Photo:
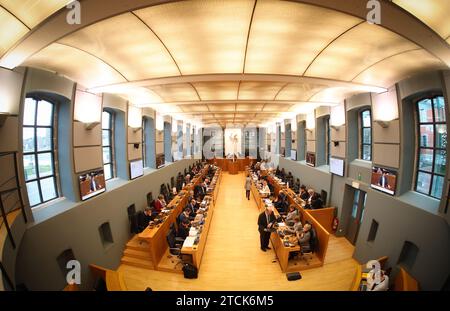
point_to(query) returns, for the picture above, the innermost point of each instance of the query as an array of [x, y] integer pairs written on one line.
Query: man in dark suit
[[265, 222], [143, 218]]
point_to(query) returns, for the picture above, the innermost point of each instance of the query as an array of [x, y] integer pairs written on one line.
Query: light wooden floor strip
[[234, 261]]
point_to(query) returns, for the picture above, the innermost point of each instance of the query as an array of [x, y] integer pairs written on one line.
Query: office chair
[[175, 245], [172, 182], [311, 248], [172, 228], [149, 199]]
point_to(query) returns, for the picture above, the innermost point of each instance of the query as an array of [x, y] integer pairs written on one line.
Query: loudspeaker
[[136, 146], [336, 143], [293, 276]]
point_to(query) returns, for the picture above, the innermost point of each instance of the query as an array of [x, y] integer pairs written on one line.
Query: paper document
[[281, 224], [189, 242]]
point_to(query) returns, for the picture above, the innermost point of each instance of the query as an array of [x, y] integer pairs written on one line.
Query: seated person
[[309, 200], [281, 204], [192, 205], [296, 227], [160, 203], [263, 165], [183, 229], [304, 236], [296, 186], [303, 193], [143, 218], [265, 190], [316, 201], [292, 213], [185, 215], [378, 282]]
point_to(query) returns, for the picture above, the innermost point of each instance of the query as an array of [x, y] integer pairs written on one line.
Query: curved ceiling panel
[[11, 30], [299, 91], [32, 12], [221, 90], [175, 92], [333, 95], [222, 107], [356, 50], [285, 37], [434, 13], [399, 67], [137, 56], [68, 61], [202, 36], [259, 90]]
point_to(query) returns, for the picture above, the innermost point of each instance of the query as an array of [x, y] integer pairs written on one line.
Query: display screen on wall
[[136, 169], [384, 180], [311, 158], [91, 184], [160, 162], [294, 154], [337, 166]]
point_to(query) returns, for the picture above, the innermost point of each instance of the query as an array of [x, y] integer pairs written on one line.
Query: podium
[[233, 167]]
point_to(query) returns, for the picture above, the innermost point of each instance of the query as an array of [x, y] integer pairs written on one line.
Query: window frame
[[36, 153], [143, 142], [361, 134], [434, 123], [111, 143]]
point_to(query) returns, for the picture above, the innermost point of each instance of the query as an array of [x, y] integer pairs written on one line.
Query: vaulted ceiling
[[228, 61]]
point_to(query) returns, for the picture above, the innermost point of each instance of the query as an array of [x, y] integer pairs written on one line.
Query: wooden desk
[[156, 236], [233, 167], [114, 281], [282, 252], [405, 282], [197, 250]]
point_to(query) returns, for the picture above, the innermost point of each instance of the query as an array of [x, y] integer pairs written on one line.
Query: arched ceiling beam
[[239, 77], [55, 27]]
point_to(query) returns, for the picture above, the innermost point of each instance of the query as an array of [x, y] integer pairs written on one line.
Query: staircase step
[[141, 263], [137, 253], [137, 244]]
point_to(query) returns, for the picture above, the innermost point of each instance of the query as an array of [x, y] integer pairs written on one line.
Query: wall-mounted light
[[383, 124], [159, 124], [88, 109], [310, 122], [3, 117], [337, 117], [385, 107], [135, 118]]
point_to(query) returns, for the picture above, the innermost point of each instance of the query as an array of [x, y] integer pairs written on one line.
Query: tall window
[[107, 142], [144, 155], [432, 153], [366, 135], [38, 151], [328, 139]]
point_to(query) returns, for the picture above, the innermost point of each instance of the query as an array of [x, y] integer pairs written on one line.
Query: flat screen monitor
[[384, 180], [337, 166], [136, 169], [294, 154], [91, 184], [311, 158], [160, 161]]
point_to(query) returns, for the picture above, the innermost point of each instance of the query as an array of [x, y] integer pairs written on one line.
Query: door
[[356, 215]]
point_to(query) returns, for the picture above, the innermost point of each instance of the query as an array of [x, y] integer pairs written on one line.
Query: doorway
[[355, 217]]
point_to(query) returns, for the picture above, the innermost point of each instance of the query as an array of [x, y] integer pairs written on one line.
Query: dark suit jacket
[[143, 220], [262, 221]]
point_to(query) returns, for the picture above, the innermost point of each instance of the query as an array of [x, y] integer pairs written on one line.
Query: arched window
[[432, 154], [38, 151], [366, 135], [107, 142]]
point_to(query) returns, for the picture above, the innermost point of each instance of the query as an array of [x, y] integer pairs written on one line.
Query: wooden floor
[[234, 261]]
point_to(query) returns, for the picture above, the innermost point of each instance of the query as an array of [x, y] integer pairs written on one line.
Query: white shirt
[[382, 286], [263, 166], [265, 189]]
